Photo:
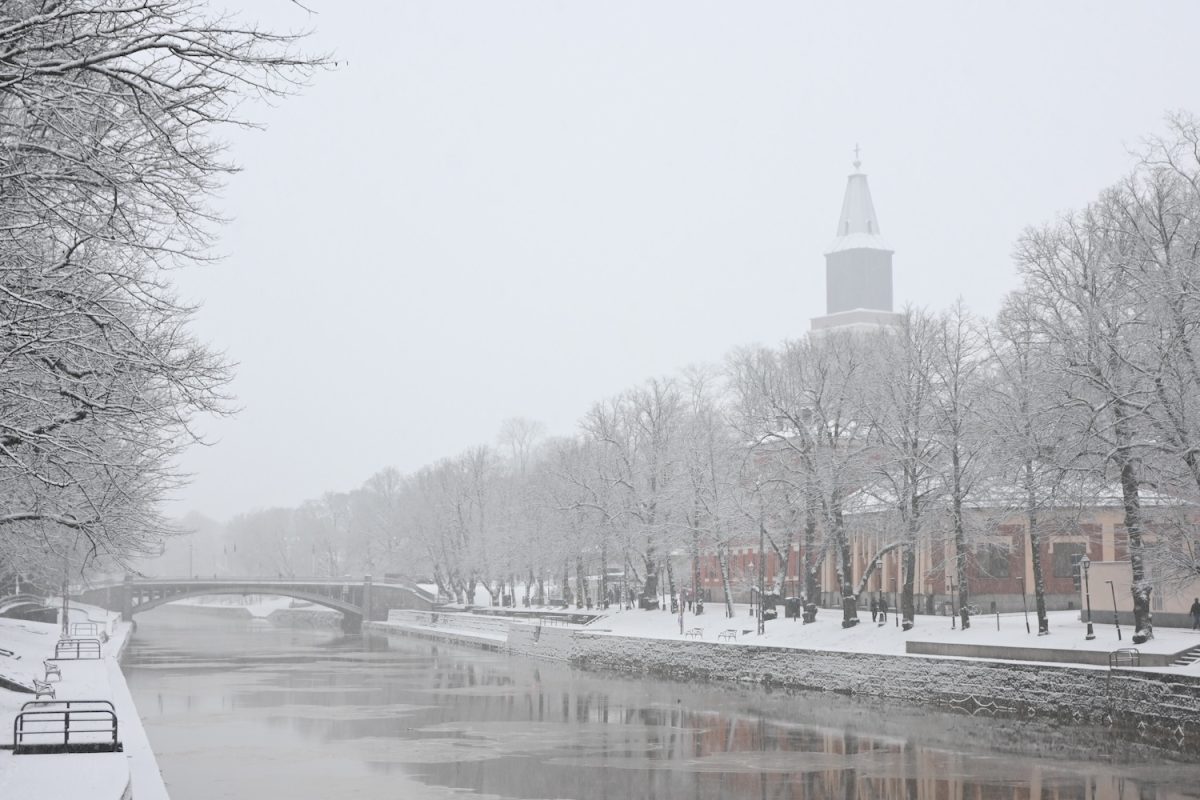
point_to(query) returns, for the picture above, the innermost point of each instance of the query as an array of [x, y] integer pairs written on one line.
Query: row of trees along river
[[1083, 388], [1083, 385]]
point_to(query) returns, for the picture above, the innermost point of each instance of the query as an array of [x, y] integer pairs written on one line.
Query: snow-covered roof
[[858, 227], [878, 497]]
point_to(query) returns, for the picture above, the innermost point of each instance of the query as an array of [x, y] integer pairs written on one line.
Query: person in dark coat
[[1196, 614], [883, 609], [874, 609]]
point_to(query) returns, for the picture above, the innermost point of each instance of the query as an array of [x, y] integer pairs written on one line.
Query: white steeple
[[857, 225], [858, 265]]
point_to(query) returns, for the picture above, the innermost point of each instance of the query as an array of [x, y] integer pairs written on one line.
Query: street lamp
[[1116, 619], [1084, 563]]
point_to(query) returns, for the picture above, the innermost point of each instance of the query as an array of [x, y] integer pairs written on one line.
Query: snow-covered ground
[[1067, 632], [97, 776]]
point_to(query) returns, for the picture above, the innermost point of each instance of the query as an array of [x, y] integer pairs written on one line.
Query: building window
[[993, 560], [1066, 556]]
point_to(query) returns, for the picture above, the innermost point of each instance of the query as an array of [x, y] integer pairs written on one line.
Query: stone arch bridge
[[357, 600]]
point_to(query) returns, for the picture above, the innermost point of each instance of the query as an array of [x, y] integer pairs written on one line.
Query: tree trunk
[[845, 576], [603, 598], [908, 558], [723, 562], [812, 587], [670, 581], [960, 545], [650, 585], [1143, 619], [1039, 581], [581, 592]]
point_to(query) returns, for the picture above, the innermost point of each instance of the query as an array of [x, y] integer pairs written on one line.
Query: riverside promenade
[[1048, 676], [132, 774]]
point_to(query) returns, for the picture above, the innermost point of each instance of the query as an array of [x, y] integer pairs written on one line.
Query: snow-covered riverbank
[[868, 660], [132, 773]]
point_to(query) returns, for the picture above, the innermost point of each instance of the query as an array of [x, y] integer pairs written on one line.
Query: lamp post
[[1025, 604], [1084, 563], [1116, 619]]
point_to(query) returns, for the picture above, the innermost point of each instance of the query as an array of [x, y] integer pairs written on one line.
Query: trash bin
[[770, 609], [792, 607], [810, 612]]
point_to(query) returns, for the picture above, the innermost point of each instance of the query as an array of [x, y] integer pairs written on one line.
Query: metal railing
[[81, 629], [76, 649], [66, 726], [1125, 657]]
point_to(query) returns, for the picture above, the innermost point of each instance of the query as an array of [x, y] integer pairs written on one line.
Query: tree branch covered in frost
[[108, 155]]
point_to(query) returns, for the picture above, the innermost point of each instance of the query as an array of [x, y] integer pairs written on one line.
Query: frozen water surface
[[237, 710]]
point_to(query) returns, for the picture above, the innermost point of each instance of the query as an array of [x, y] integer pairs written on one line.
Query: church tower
[[858, 265]]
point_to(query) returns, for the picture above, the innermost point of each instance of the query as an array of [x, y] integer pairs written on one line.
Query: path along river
[[242, 709]]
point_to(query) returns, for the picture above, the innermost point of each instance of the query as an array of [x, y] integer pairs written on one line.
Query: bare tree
[[898, 407], [107, 118], [1078, 289]]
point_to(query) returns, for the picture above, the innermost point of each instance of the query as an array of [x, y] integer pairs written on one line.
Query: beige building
[[1108, 584]]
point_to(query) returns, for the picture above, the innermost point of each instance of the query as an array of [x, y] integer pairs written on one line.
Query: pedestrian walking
[[874, 609], [883, 609], [1196, 614]]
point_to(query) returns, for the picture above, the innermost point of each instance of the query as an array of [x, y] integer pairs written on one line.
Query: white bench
[[694, 633], [729, 633]]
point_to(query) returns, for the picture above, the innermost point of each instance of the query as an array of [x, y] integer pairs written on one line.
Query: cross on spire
[[857, 162]]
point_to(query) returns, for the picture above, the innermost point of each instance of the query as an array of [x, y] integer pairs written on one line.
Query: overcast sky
[[496, 209]]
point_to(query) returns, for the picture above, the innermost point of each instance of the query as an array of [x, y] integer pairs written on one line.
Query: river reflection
[[246, 710]]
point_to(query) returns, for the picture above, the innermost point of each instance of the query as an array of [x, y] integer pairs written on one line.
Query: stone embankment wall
[[1157, 706]]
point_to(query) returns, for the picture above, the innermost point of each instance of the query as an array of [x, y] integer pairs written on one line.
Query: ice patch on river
[[339, 713]]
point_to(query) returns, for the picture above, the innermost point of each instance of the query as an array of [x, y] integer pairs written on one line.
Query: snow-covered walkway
[[94, 776]]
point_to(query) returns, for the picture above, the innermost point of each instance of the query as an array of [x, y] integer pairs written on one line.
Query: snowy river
[[241, 709]]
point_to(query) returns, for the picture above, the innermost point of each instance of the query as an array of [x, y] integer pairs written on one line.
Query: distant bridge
[[15, 604], [357, 600]]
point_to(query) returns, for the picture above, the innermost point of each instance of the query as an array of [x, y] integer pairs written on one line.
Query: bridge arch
[[352, 615], [357, 601]]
